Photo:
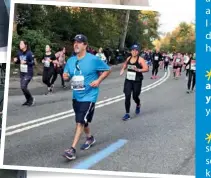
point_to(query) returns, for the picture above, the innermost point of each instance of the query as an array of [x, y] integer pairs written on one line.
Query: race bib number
[[47, 64], [131, 75], [23, 68], [156, 58], [78, 83], [178, 60], [193, 65]]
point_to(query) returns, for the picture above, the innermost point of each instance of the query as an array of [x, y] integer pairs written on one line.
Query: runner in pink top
[[59, 66], [177, 65]]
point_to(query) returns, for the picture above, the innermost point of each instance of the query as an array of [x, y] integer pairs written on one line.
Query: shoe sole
[[89, 145], [126, 119], [67, 157]]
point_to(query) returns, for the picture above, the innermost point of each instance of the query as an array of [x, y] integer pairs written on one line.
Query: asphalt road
[[159, 140]]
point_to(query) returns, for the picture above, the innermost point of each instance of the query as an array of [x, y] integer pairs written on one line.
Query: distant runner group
[[86, 72]]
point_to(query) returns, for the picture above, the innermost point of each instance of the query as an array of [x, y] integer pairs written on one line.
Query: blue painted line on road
[[96, 158]]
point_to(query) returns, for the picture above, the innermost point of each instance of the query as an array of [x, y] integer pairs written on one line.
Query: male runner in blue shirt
[[83, 69]]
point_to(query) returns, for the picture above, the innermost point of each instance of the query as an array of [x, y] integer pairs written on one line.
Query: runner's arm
[[54, 59], [57, 55], [188, 63], [103, 68], [144, 65], [104, 75], [29, 59], [17, 59], [66, 73], [124, 66]]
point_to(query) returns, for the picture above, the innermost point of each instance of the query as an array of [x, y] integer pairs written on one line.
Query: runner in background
[[148, 58], [101, 55], [182, 55], [186, 67], [166, 60], [161, 63], [59, 66], [177, 65], [83, 70], [156, 58], [49, 60], [191, 74], [135, 66], [26, 61]]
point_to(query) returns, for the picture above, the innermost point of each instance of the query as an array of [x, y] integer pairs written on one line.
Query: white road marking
[[70, 113]]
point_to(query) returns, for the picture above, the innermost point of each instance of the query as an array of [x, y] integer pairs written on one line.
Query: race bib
[[78, 83], [156, 58], [131, 75], [23, 68], [47, 64], [177, 60], [166, 59], [193, 65]]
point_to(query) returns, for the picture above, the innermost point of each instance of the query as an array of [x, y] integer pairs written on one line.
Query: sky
[[173, 12]]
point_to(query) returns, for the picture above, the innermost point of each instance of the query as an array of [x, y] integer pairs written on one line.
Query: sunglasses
[[76, 65]]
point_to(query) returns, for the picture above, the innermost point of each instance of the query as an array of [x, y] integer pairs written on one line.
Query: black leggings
[[191, 79], [24, 82], [47, 76], [155, 68], [129, 88], [59, 71], [166, 64], [187, 71]]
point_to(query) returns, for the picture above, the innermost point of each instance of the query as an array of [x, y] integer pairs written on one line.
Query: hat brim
[[78, 40], [137, 49]]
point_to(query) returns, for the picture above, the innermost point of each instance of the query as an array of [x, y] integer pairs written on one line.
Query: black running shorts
[[84, 111]]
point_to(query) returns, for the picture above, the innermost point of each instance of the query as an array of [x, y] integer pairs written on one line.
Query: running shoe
[[49, 91], [188, 91], [126, 117], [70, 153], [88, 143], [32, 102], [52, 88], [25, 104], [138, 108]]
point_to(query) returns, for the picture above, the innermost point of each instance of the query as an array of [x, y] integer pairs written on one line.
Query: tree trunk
[[124, 32], [14, 19]]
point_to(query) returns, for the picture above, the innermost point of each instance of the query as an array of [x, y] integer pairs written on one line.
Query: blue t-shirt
[[28, 57], [89, 67]]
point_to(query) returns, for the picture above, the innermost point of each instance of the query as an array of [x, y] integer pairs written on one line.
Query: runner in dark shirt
[[26, 61]]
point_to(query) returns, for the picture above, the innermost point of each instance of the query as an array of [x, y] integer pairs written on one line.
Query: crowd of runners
[[86, 69]]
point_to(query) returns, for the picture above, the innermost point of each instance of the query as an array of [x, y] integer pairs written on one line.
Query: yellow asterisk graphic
[[208, 75], [208, 138]]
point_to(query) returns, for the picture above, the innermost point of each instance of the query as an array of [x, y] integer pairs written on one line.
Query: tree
[[57, 26], [124, 32], [181, 39]]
